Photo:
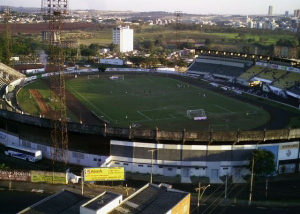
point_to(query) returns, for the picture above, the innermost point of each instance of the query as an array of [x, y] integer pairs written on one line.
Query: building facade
[[123, 36], [270, 13]]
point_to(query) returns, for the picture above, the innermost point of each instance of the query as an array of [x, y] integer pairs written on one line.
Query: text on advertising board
[[104, 174]]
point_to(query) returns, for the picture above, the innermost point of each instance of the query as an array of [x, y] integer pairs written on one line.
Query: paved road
[[231, 209], [15, 201]]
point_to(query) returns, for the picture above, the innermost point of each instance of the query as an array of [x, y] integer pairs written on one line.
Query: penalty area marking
[[224, 108], [143, 115], [91, 83]]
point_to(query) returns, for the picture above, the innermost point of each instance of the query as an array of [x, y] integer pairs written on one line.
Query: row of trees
[[152, 62]]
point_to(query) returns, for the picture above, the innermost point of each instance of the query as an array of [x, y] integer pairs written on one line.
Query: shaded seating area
[[287, 81], [216, 69], [252, 72]]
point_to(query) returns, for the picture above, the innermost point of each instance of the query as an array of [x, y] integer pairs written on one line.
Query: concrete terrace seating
[[271, 74], [3, 82], [287, 81], [250, 73]]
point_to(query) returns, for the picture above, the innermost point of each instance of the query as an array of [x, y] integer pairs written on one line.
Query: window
[[196, 168], [117, 163], [140, 165], [160, 167], [149, 165], [99, 159], [225, 168], [78, 155], [178, 167], [170, 169], [125, 164], [95, 159]]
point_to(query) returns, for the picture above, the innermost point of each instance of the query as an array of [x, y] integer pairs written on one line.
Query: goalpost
[[198, 114], [93, 76], [117, 77]]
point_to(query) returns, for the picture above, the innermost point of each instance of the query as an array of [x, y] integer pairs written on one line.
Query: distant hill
[[23, 9]]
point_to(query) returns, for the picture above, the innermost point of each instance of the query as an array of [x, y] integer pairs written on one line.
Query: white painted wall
[[107, 208]]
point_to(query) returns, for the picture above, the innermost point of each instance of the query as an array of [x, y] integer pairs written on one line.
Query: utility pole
[[199, 194], [266, 188], [82, 173], [226, 185], [151, 175], [251, 182]]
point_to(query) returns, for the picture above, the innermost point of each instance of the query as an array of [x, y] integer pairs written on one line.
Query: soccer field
[[148, 101]]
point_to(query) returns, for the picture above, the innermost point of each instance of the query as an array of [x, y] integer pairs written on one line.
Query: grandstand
[[271, 74], [287, 81], [252, 72], [295, 89], [8, 74], [216, 69]]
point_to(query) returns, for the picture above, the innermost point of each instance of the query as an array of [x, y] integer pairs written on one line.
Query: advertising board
[[48, 177], [104, 174], [15, 175], [288, 151]]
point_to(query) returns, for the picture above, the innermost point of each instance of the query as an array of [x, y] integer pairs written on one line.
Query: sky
[[186, 6]]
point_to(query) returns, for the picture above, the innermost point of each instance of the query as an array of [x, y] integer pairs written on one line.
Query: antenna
[[178, 15], [53, 11], [8, 45]]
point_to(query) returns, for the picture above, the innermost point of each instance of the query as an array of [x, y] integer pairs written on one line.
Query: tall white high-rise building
[[123, 36], [270, 11]]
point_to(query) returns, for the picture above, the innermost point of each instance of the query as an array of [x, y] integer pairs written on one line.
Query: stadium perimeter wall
[[158, 135], [218, 149]]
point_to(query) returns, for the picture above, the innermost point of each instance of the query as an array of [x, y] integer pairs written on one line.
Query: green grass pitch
[[129, 102]]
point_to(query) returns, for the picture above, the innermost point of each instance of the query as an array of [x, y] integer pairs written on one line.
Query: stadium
[[205, 122]]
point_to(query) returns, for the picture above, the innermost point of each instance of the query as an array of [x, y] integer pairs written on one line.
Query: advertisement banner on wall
[[288, 151], [3, 139], [48, 177], [15, 175], [104, 174]]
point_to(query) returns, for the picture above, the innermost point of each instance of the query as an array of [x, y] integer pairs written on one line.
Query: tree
[[264, 162], [246, 49], [3, 166], [102, 68], [113, 47], [208, 42]]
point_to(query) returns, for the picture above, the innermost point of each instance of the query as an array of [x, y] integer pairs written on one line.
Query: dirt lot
[[44, 107]]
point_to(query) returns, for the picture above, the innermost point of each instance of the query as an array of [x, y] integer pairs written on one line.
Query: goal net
[[117, 77], [93, 76], [198, 114]]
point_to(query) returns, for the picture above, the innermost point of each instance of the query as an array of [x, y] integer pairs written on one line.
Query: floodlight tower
[[8, 45], [54, 11], [178, 15]]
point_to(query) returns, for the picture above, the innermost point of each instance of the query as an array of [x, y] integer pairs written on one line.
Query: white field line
[[91, 104], [143, 115], [136, 121], [224, 109], [235, 100], [91, 83], [172, 115], [150, 80]]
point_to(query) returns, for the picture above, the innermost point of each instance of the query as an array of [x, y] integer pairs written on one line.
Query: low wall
[[157, 135]]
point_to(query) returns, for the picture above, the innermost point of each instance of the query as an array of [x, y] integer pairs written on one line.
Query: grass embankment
[[28, 103]]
